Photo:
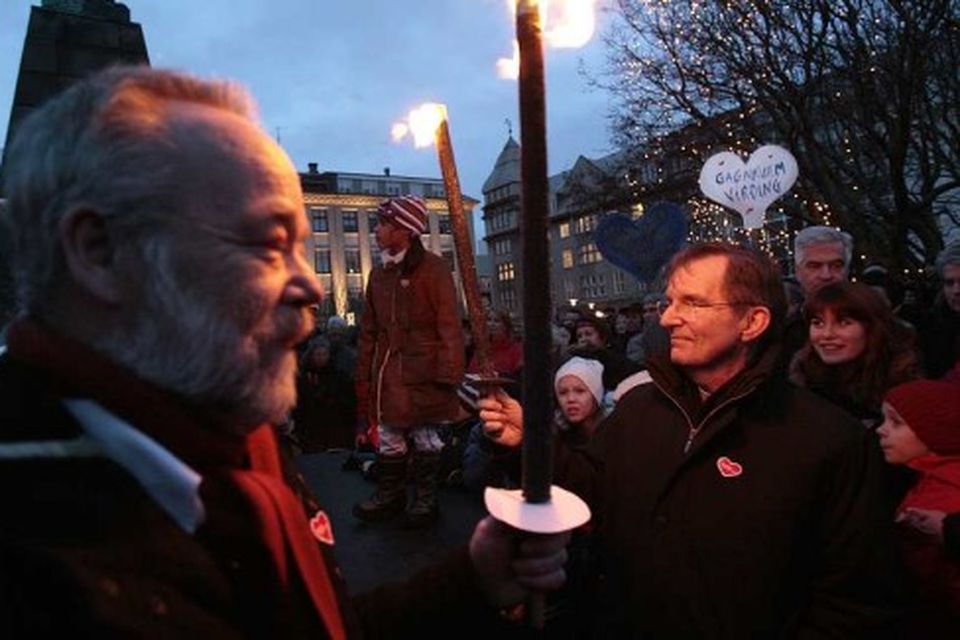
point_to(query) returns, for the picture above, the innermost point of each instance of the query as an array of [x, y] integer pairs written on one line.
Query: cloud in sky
[[331, 77]]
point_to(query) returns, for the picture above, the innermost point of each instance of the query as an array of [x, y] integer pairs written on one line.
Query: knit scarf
[[251, 463]]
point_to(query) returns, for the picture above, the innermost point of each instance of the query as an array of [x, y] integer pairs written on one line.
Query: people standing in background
[[324, 417], [593, 335], [856, 349], [821, 255], [938, 333], [652, 340]]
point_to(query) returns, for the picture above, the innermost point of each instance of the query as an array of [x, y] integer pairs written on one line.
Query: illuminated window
[[351, 259], [588, 253], [567, 259], [564, 229], [505, 272]]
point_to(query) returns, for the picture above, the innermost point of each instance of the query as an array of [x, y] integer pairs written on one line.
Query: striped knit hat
[[932, 410], [409, 212]]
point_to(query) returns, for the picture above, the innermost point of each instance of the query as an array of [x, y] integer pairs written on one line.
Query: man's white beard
[[180, 341]]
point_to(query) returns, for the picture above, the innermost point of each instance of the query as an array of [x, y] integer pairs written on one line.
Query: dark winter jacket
[[754, 514], [326, 408], [938, 339], [411, 353], [85, 552]]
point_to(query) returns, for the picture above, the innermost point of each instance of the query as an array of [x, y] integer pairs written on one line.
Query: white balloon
[[752, 187]]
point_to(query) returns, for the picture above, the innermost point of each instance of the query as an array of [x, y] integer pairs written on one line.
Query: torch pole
[[537, 388], [464, 246]]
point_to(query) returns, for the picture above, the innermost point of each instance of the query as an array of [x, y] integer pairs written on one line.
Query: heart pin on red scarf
[[321, 528], [728, 468]]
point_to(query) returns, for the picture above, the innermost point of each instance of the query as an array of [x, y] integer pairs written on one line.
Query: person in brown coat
[[410, 360]]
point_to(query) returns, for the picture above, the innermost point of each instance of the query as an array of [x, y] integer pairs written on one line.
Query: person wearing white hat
[[578, 385]]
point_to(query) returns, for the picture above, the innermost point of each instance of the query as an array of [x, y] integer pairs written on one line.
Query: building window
[[567, 258], [508, 299], [351, 259], [593, 286], [319, 220], [505, 272], [564, 229], [585, 224], [501, 220], [619, 282], [372, 221], [444, 224], [350, 221], [449, 258], [588, 253], [321, 260], [502, 247]]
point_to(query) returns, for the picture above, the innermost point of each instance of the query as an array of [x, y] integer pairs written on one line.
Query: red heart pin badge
[[728, 468], [321, 528]]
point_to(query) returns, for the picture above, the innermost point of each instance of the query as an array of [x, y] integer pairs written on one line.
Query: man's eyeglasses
[[691, 308]]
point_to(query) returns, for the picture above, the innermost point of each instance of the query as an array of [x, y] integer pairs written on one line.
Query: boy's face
[[898, 441]]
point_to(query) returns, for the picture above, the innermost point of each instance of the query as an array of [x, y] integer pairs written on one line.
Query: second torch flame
[[427, 124]]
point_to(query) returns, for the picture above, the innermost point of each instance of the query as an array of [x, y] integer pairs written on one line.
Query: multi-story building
[[578, 273], [580, 197], [342, 211]]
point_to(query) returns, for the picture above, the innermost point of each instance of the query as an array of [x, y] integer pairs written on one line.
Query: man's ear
[[756, 321], [90, 253]]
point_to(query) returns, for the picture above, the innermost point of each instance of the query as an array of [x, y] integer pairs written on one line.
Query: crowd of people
[[764, 455], [784, 463]]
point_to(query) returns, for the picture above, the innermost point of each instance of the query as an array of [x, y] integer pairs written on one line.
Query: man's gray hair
[[104, 145], [949, 255], [822, 235]]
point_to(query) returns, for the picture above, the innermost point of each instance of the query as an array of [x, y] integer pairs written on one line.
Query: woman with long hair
[[856, 349]]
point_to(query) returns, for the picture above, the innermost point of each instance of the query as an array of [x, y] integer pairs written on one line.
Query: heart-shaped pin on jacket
[[321, 528], [752, 187], [728, 468]]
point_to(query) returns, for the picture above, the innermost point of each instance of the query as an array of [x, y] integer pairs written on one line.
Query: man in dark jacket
[[159, 238], [410, 361], [730, 504], [938, 335]]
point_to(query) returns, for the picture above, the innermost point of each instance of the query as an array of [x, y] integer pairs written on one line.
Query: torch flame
[[422, 123], [566, 24]]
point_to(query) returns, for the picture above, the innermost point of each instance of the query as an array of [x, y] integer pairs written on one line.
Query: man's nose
[[304, 287]]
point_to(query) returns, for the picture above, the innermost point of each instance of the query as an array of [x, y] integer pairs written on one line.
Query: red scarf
[[252, 463], [938, 486]]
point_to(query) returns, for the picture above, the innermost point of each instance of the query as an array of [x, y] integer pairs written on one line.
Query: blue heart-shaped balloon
[[643, 245]]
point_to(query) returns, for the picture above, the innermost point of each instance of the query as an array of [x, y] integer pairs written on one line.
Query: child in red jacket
[[921, 429]]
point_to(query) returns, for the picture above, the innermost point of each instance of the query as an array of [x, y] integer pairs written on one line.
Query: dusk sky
[[331, 77]]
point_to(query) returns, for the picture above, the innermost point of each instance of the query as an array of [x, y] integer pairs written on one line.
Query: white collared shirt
[[172, 484]]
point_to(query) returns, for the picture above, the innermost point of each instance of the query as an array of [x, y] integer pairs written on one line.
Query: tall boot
[[390, 498], [424, 512]]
